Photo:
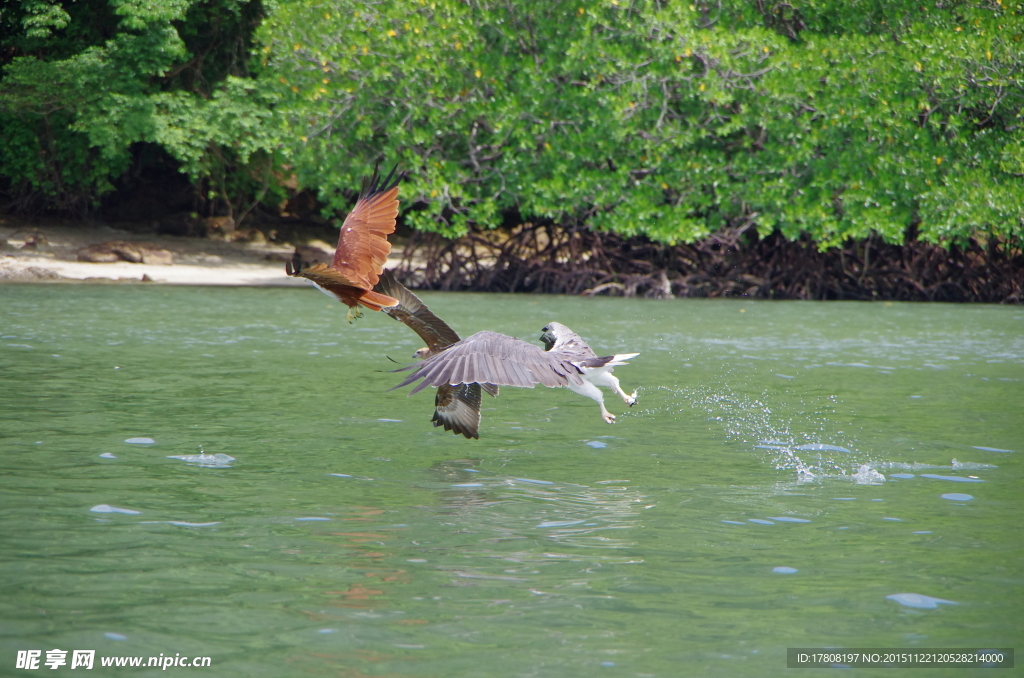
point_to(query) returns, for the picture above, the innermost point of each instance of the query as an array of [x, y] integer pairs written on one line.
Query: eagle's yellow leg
[[353, 313]]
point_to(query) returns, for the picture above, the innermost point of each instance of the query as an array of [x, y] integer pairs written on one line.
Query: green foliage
[[42, 17], [90, 79], [674, 120], [838, 119]]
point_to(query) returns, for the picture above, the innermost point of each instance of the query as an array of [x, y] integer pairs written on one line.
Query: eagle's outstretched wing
[[456, 408], [363, 245], [362, 250], [489, 357], [414, 313]]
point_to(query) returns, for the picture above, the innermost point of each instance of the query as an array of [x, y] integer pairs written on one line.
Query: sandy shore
[[196, 261]]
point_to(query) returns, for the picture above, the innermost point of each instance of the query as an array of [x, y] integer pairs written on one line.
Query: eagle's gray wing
[[492, 358], [457, 408]]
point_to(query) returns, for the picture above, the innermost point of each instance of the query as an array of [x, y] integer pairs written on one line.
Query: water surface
[[222, 472]]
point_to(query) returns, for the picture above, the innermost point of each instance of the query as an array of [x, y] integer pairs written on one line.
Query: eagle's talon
[[353, 313], [631, 400], [609, 417]]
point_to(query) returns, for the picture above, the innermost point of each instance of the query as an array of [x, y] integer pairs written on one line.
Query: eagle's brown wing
[[363, 245], [414, 313], [457, 408], [492, 358]]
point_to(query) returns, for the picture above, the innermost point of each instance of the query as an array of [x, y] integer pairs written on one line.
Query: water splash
[[866, 475], [205, 460], [968, 465], [789, 445], [811, 447]]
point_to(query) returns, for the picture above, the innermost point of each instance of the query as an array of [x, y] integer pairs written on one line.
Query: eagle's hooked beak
[[548, 338]]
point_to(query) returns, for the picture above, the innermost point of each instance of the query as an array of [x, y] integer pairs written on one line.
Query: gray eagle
[[492, 358]]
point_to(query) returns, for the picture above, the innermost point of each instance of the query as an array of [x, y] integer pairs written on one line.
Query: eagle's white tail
[[621, 358]]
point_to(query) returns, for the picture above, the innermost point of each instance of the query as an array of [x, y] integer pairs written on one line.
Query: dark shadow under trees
[[730, 263]]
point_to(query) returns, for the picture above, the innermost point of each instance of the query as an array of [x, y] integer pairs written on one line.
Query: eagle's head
[[554, 334]]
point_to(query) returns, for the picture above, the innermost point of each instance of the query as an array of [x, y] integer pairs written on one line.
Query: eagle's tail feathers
[[375, 300]]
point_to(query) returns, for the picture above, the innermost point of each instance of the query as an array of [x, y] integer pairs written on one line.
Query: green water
[[556, 545]]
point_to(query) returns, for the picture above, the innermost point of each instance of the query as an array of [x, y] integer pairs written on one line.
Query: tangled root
[[729, 263]]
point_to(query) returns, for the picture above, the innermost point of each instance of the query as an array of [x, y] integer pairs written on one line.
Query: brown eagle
[[363, 249], [457, 407]]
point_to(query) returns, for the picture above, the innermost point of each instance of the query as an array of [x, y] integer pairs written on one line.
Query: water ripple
[[919, 600]]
